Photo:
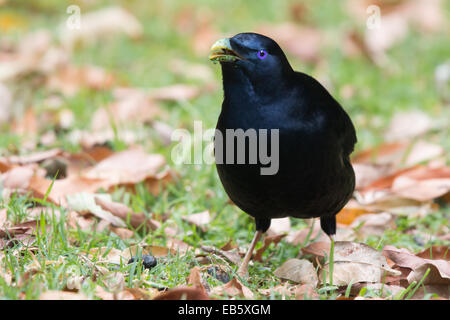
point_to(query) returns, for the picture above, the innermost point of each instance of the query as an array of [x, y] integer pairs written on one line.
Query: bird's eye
[[262, 54]]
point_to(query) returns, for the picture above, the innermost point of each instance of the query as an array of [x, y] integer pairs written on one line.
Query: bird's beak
[[221, 51]]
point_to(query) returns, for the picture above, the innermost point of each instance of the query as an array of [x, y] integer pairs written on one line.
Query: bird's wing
[[338, 120]]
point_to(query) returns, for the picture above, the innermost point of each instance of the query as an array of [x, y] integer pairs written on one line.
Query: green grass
[[379, 93]]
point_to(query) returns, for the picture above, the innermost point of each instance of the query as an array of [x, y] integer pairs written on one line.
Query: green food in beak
[[221, 51]]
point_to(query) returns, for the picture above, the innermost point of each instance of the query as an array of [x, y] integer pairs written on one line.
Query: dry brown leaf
[[366, 173], [131, 106], [231, 256], [319, 249], [423, 151], [279, 226], [299, 271], [385, 290], [3, 216], [70, 79], [266, 243], [201, 219], [442, 291], [6, 103], [385, 154], [230, 245], [190, 70], [439, 269], [400, 126], [156, 251], [373, 224], [122, 211], [76, 221], [423, 183], [195, 279], [306, 291], [233, 288], [183, 293], [178, 246], [35, 157], [62, 295], [419, 183], [97, 26], [123, 233], [18, 177], [435, 253], [63, 187], [26, 228], [348, 214], [286, 290], [176, 92], [86, 202], [356, 262], [127, 167], [301, 41], [299, 237]]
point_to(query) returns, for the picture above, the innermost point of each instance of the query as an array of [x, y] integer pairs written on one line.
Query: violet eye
[[262, 54]]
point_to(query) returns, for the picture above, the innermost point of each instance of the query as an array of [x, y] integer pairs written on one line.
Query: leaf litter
[[407, 174]]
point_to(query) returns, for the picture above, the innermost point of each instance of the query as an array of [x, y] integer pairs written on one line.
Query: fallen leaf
[[86, 202], [97, 25], [70, 79], [230, 245], [123, 212], [356, 262], [189, 70], [299, 271], [131, 106], [195, 279], [373, 224], [62, 187], [201, 219], [435, 253], [348, 214], [178, 246], [62, 295], [367, 173], [423, 184], [301, 41], [319, 249], [400, 126], [306, 291], [176, 92], [6, 103], [279, 226], [231, 256], [183, 293], [384, 290], [126, 167], [286, 290], [233, 288], [156, 251], [384, 154], [18, 177], [266, 243], [439, 269], [123, 233]]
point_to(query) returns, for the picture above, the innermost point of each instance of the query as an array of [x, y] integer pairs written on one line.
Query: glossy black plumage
[[316, 137]]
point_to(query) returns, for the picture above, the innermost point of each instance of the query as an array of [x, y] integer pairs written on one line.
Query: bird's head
[[257, 56]]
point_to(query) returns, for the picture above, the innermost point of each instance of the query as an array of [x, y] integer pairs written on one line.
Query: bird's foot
[[243, 271]]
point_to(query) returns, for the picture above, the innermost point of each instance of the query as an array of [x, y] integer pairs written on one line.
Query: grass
[[60, 252]]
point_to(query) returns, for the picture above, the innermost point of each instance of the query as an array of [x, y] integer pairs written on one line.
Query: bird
[[314, 137]]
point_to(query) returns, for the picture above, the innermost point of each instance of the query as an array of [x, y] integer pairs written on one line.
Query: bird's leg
[[243, 268], [331, 259]]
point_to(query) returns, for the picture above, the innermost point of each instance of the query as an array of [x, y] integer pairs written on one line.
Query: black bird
[[313, 176]]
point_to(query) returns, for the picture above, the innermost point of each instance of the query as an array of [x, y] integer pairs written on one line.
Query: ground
[[52, 250]]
